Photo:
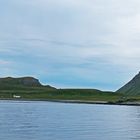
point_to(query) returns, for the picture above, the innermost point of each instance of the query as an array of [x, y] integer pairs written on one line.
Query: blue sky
[[71, 43]]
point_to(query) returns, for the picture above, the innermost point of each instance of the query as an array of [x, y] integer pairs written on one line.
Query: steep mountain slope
[[132, 87]]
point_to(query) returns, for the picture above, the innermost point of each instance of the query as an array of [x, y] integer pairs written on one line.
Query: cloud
[[84, 43]]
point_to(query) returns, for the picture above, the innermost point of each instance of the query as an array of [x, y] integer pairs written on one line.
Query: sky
[[71, 43]]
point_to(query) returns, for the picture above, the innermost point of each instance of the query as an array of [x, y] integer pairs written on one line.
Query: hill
[[30, 88], [132, 87], [24, 81], [10, 83]]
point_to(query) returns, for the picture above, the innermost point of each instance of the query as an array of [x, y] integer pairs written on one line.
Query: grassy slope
[[48, 93], [43, 93], [132, 88]]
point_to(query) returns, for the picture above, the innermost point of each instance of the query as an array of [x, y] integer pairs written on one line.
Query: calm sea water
[[59, 121]]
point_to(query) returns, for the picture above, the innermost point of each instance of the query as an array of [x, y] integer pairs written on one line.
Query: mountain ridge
[[132, 87], [24, 81]]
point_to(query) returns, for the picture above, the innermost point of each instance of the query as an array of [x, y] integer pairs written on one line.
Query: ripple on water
[[59, 121]]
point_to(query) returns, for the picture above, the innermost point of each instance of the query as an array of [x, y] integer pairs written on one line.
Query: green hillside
[[30, 88], [132, 88]]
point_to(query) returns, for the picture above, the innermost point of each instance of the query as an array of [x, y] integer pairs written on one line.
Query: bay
[[38, 120]]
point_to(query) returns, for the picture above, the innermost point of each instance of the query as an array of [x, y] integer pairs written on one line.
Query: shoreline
[[77, 102]]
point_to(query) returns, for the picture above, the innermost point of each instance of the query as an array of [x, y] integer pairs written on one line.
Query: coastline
[[77, 101]]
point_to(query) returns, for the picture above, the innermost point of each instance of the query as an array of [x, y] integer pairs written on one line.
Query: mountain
[[132, 87], [24, 81]]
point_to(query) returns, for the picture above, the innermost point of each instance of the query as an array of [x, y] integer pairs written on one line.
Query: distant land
[[29, 88]]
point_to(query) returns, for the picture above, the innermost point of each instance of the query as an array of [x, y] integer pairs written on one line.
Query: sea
[[42, 120]]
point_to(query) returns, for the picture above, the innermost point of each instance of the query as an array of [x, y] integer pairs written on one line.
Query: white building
[[16, 96]]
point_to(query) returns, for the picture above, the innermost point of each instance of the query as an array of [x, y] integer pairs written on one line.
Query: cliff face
[[132, 87], [23, 81]]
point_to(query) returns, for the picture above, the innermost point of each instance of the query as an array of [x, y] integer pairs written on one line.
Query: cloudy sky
[[71, 43]]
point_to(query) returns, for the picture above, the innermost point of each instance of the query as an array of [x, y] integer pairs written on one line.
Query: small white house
[[16, 96]]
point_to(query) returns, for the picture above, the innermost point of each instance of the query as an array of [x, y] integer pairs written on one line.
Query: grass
[[60, 94], [27, 89], [46, 93]]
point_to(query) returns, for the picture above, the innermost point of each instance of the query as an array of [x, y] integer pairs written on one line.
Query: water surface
[[23, 120]]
